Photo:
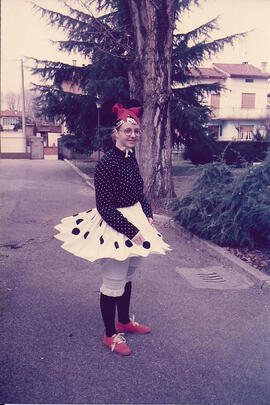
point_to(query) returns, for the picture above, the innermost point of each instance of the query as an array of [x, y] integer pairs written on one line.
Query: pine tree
[[132, 51]]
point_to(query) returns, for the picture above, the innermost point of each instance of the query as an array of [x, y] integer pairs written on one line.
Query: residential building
[[13, 143], [50, 134], [240, 111], [8, 119], [72, 86]]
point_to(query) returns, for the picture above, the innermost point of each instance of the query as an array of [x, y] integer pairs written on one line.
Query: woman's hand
[[150, 220], [138, 239]]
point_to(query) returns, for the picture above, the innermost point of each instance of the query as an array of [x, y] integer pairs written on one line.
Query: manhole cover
[[215, 277]]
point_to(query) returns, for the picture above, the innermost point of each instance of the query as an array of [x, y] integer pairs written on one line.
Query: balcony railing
[[239, 113]]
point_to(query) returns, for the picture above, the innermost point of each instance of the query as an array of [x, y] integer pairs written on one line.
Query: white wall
[[231, 112], [239, 86], [52, 138], [228, 131], [12, 142], [231, 99], [207, 99]]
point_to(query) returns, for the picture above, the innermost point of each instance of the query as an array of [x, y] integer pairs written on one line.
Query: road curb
[[261, 280], [84, 176]]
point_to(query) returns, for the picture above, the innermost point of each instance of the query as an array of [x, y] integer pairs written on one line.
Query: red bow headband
[[126, 115]]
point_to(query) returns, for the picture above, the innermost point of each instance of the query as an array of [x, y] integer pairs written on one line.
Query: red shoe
[[117, 343], [132, 327]]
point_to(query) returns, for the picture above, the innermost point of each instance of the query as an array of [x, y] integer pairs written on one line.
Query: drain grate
[[215, 277], [211, 277]]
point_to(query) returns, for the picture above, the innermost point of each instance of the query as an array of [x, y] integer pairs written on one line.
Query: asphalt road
[[207, 346]]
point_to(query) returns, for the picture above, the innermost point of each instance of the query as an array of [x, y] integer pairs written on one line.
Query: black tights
[[108, 306]]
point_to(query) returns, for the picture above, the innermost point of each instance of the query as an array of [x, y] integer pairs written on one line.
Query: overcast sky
[[25, 33]]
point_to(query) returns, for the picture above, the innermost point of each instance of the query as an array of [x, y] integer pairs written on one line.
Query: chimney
[[263, 66], [74, 62]]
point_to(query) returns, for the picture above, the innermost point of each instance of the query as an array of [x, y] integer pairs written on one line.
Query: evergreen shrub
[[76, 144], [242, 152], [230, 207], [202, 151]]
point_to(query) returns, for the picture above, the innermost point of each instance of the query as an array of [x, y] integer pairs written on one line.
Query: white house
[[240, 111], [11, 141], [8, 119], [15, 144]]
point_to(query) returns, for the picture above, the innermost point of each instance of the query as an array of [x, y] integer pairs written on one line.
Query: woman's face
[[127, 136]]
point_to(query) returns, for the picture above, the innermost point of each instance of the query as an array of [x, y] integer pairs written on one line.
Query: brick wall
[[51, 150], [15, 155]]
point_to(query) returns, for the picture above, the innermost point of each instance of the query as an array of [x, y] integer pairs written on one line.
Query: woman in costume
[[118, 232]]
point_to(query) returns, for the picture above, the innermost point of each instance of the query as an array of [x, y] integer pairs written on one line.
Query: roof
[[207, 73], [9, 113], [241, 70], [49, 128]]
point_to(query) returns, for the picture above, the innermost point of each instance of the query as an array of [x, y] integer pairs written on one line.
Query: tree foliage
[[133, 49]]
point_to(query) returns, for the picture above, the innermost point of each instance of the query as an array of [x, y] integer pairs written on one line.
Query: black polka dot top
[[118, 184]]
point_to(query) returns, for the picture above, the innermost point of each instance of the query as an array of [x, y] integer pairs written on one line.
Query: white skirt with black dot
[[88, 236]]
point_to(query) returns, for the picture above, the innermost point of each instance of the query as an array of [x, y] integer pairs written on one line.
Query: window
[[249, 80], [10, 121], [248, 100], [246, 132], [215, 131], [215, 101]]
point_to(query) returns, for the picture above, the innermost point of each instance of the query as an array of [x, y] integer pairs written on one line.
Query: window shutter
[[215, 101], [248, 100]]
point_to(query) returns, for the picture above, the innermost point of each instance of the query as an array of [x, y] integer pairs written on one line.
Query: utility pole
[[23, 105]]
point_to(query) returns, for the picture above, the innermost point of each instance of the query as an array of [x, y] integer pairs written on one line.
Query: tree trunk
[[150, 83]]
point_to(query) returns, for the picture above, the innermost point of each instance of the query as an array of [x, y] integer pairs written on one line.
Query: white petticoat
[[88, 236]]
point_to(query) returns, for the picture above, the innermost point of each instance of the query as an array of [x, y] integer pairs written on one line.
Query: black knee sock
[[107, 306], [123, 304]]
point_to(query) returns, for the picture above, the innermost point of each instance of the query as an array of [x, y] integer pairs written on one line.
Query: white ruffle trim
[[88, 236], [112, 293]]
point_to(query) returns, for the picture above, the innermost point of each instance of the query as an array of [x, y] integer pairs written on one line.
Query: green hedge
[[238, 153], [232, 153]]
